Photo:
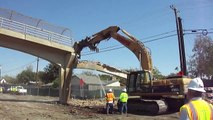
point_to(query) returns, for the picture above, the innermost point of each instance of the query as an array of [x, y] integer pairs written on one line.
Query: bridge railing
[[34, 31]]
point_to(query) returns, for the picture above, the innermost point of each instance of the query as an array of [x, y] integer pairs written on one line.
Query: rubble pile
[[87, 108], [87, 102]]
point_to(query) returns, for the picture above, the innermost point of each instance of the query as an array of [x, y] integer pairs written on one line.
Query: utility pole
[[37, 71], [0, 72], [180, 41], [37, 76]]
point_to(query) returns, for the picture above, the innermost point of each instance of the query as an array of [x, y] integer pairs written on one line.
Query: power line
[[104, 51], [115, 47], [159, 34], [101, 51], [110, 47], [159, 38], [20, 67], [152, 40]]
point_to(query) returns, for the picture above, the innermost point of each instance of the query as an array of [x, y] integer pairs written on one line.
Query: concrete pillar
[[61, 77], [65, 86], [65, 76]]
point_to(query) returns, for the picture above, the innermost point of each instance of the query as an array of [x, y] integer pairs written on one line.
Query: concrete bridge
[[53, 47]]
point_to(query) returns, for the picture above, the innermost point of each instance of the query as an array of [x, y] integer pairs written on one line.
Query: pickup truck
[[21, 90]]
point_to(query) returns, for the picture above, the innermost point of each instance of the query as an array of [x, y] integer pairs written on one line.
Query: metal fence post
[[1, 22], [37, 91], [49, 92]]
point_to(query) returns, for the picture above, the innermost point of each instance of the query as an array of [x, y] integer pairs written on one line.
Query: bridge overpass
[[51, 46]]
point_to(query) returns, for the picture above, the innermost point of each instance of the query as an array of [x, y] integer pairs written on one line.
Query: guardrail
[[34, 31]]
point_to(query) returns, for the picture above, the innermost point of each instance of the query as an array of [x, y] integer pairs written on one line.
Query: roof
[[3, 81], [95, 80], [110, 82]]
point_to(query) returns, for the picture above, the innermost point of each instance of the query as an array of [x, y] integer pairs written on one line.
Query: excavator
[[146, 93]]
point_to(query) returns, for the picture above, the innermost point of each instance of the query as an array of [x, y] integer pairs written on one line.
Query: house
[[84, 86], [3, 81]]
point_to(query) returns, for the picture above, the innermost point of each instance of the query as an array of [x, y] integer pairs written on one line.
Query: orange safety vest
[[110, 97], [198, 110]]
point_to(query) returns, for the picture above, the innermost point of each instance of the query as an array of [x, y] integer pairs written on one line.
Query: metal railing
[[34, 31]]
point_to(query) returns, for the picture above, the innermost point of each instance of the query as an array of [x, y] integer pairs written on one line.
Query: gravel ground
[[19, 107]]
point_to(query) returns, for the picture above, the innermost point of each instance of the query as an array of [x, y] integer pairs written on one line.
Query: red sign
[[81, 83]]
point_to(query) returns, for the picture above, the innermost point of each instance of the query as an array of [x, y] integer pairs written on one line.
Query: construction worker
[[196, 108], [110, 98], [123, 102]]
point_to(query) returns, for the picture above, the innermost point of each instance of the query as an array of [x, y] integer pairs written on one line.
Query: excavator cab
[[139, 81]]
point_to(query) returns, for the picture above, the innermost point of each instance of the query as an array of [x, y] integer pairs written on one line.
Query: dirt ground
[[26, 107]]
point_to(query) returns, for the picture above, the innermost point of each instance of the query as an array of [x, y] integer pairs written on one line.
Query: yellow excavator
[[146, 93]]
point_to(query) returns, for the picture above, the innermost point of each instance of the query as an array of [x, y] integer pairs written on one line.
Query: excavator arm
[[102, 68], [134, 45]]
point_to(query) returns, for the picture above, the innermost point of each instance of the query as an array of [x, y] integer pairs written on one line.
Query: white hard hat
[[196, 84], [124, 90], [110, 90]]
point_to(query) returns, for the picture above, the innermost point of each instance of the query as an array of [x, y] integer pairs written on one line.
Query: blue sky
[[140, 18]]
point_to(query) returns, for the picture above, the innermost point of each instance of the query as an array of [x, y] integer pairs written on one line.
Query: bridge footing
[[65, 78], [65, 86]]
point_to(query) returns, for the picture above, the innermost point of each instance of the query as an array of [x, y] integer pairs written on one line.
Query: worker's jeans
[[109, 107], [123, 107]]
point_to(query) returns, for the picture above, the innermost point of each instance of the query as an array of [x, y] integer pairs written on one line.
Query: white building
[[3, 81]]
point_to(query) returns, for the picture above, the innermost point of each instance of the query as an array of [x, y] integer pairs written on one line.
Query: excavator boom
[[130, 42]]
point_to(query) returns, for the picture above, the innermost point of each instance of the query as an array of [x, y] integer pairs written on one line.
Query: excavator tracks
[[147, 106]]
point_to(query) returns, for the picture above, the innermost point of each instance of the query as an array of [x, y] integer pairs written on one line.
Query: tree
[[209, 62], [56, 83], [26, 75], [157, 74], [201, 62], [51, 72], [105, 77]]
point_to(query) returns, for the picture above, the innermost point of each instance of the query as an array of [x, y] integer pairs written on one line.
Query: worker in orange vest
[[110, 98], [196, 108]]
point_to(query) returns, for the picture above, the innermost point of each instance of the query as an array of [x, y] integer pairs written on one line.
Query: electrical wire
[[159, 38], [20, 67], [118, 46], [158, 35], [152, 40], [101, 51], [109, 47]]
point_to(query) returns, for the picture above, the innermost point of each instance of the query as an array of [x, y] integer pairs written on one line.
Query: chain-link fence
[[92, 92], [27, 25], [53, 92]]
